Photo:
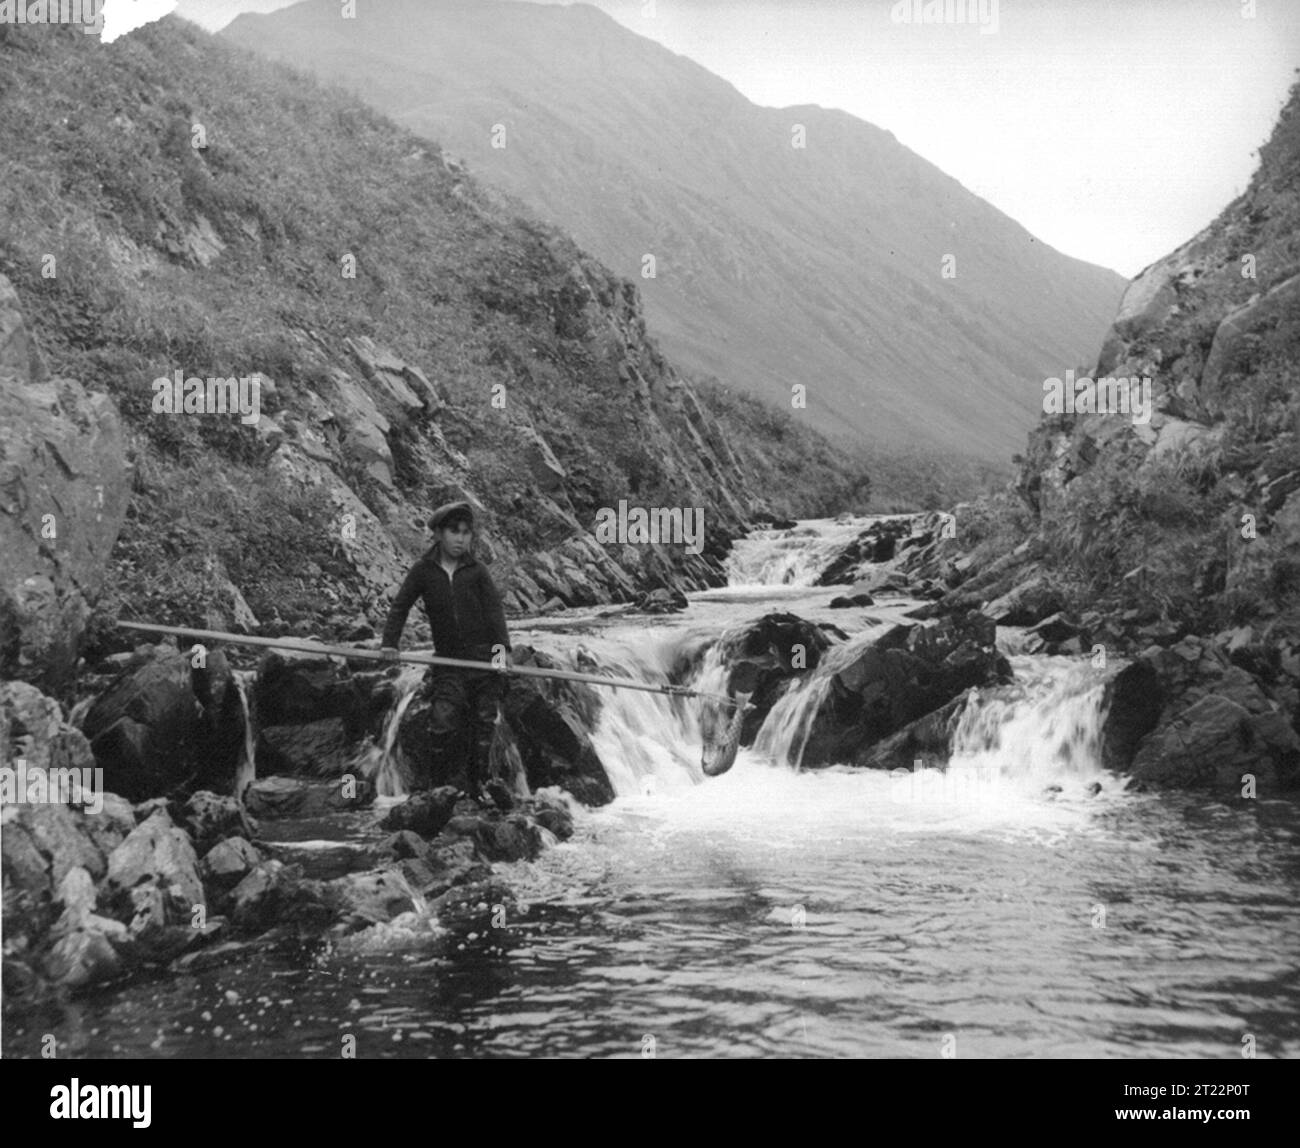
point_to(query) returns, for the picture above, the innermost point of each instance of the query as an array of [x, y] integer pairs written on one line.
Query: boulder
[[157, 862], [424, 813], [82, 957], [1214, 743], [43, 842], [909, 672], [1132, 704], [318, 747], [228, 862], [277, 798], [292, 691], [210, 818], [362, 899], [764, 656], [512, 837], [549, 721], [928, 739], [165, 725], [1027, 603]]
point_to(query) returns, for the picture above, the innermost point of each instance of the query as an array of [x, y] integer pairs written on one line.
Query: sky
[[1114, 130]]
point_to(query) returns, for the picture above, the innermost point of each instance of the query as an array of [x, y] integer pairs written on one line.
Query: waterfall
[[793, 556], [784, 732], [246, 770], [1042, 732], [382, 761], [650, 742], [1045, 727]]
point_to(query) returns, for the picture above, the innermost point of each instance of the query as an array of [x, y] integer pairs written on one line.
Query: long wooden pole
[[304, 646]]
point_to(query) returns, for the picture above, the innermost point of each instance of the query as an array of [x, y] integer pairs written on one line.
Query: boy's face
[[455, 540]]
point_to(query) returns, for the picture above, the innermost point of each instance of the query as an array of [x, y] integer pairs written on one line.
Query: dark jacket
[[465, 612]]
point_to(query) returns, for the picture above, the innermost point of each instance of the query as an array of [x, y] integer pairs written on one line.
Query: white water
[[822, 912], [792, 557], [246, 770], [382, 761]]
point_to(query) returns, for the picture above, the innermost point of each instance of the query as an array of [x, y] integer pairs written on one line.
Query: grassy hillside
[[136, 253]]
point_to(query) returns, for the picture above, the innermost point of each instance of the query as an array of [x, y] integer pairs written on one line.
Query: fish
[[719, 756]]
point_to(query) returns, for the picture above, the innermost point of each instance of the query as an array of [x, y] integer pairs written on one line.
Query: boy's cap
[[439, 516]]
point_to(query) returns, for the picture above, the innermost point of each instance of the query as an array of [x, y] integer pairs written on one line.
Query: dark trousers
[[462, 717]]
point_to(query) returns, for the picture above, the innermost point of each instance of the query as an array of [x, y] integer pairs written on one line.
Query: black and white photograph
[[651, 529]]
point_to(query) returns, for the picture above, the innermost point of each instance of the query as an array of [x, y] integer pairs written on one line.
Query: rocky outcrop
[[550, 722], [89, 898], [764, 657], [166, 724], [64, 487], [909, 672], [1193, 715]]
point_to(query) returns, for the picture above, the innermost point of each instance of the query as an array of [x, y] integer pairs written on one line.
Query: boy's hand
[[389, 653]]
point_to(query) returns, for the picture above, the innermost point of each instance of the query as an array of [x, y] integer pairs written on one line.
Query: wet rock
[[909, 672], [549, 721], [228, 862], [1213, 743], [1054, 628], [550, 811], [211, 817], [423, 813], [1133, 701], [846, 602], [297, 691], [499, 838], [512, 838], [273, 894], [877, 543], [216, 957], [661, 601], [928, 740], [405, 844], [362, 899], [280, 798], [764, 656], [318, 748], [82, 957]]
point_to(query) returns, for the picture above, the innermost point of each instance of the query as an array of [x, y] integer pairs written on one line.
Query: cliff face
[[1174, 539], [1200, 503], [415, 340]]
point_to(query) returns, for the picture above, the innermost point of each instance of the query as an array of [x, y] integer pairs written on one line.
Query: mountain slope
[[776, 265], [474, 354]]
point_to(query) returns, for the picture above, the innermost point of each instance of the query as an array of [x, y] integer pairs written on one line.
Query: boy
[[467, 621]]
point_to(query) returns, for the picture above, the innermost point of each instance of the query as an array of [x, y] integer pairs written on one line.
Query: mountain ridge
[[775, 265]]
